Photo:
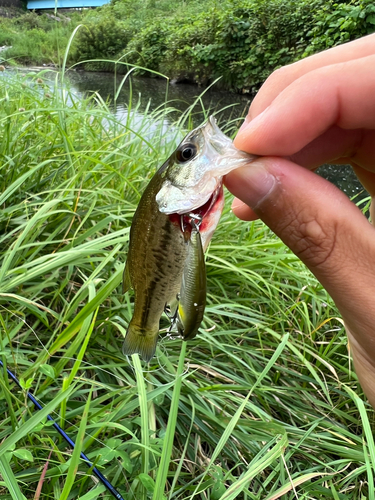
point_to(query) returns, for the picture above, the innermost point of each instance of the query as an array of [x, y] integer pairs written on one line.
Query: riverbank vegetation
[[265, 402], [239, 42]]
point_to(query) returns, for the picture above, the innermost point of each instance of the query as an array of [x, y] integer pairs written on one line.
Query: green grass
[[36, 39], [263, 404]]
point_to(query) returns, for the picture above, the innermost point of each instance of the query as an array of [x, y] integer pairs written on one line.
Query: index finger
[[337, 95], [283, 77]]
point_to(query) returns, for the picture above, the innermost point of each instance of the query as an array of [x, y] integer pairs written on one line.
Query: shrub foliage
[[239, 41], [102, 38]]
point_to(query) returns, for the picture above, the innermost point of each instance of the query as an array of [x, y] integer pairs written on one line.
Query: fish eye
[[187, 152]]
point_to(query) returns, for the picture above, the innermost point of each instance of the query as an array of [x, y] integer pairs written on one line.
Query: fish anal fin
[[140, 341], [126, 283]]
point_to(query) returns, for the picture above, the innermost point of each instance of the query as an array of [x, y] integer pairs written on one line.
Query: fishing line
[[97, 473], [72, 424], [68, 358], [86, 363]]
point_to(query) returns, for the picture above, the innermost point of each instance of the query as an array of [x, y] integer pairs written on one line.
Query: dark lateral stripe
[[159, 272]]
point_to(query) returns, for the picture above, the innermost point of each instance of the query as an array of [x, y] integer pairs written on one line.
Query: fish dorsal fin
[[126, 283]]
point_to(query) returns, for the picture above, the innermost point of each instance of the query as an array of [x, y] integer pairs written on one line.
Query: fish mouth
[[196, 217]]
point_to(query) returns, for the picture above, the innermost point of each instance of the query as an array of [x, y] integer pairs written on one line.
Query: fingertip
[[240, 141], [250, 131], [246, 122], [243, 211]]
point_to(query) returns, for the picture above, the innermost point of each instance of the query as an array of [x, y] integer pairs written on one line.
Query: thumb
[[319, 224]]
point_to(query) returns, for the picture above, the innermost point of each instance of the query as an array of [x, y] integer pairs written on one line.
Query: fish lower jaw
[[195, 217]]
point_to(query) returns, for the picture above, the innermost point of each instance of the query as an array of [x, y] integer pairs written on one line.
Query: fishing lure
[[192, 298]]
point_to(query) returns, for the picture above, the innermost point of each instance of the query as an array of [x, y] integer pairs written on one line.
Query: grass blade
[[76, 455], [270, 455], [9, 479], [164, 464], [33, 421], [143, 407]]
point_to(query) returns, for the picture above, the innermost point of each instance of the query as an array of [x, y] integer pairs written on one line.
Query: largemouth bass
[[188, 187]]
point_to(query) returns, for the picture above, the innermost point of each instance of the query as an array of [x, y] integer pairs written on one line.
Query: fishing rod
[[97, 472]]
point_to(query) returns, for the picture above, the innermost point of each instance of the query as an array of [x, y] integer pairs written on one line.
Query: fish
[[187, 187], [192, 299]]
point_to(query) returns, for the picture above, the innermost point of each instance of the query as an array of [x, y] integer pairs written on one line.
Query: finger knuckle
[[312, 241]]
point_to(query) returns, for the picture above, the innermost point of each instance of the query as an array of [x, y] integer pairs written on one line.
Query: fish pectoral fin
[[126, 283], [140, 341], [171, 309]]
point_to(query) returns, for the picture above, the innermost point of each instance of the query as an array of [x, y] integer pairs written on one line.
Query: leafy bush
[[36, 39], [149, 46], [6, 33], [31, 20], [239, 41], [339, 23], [103, 38], [184, 43], [243, 42], [259, 37]]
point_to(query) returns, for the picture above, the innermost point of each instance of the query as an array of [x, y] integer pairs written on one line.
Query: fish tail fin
[[141, 341]]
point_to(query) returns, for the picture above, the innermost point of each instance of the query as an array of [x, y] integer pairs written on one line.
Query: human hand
[[319, 110]]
